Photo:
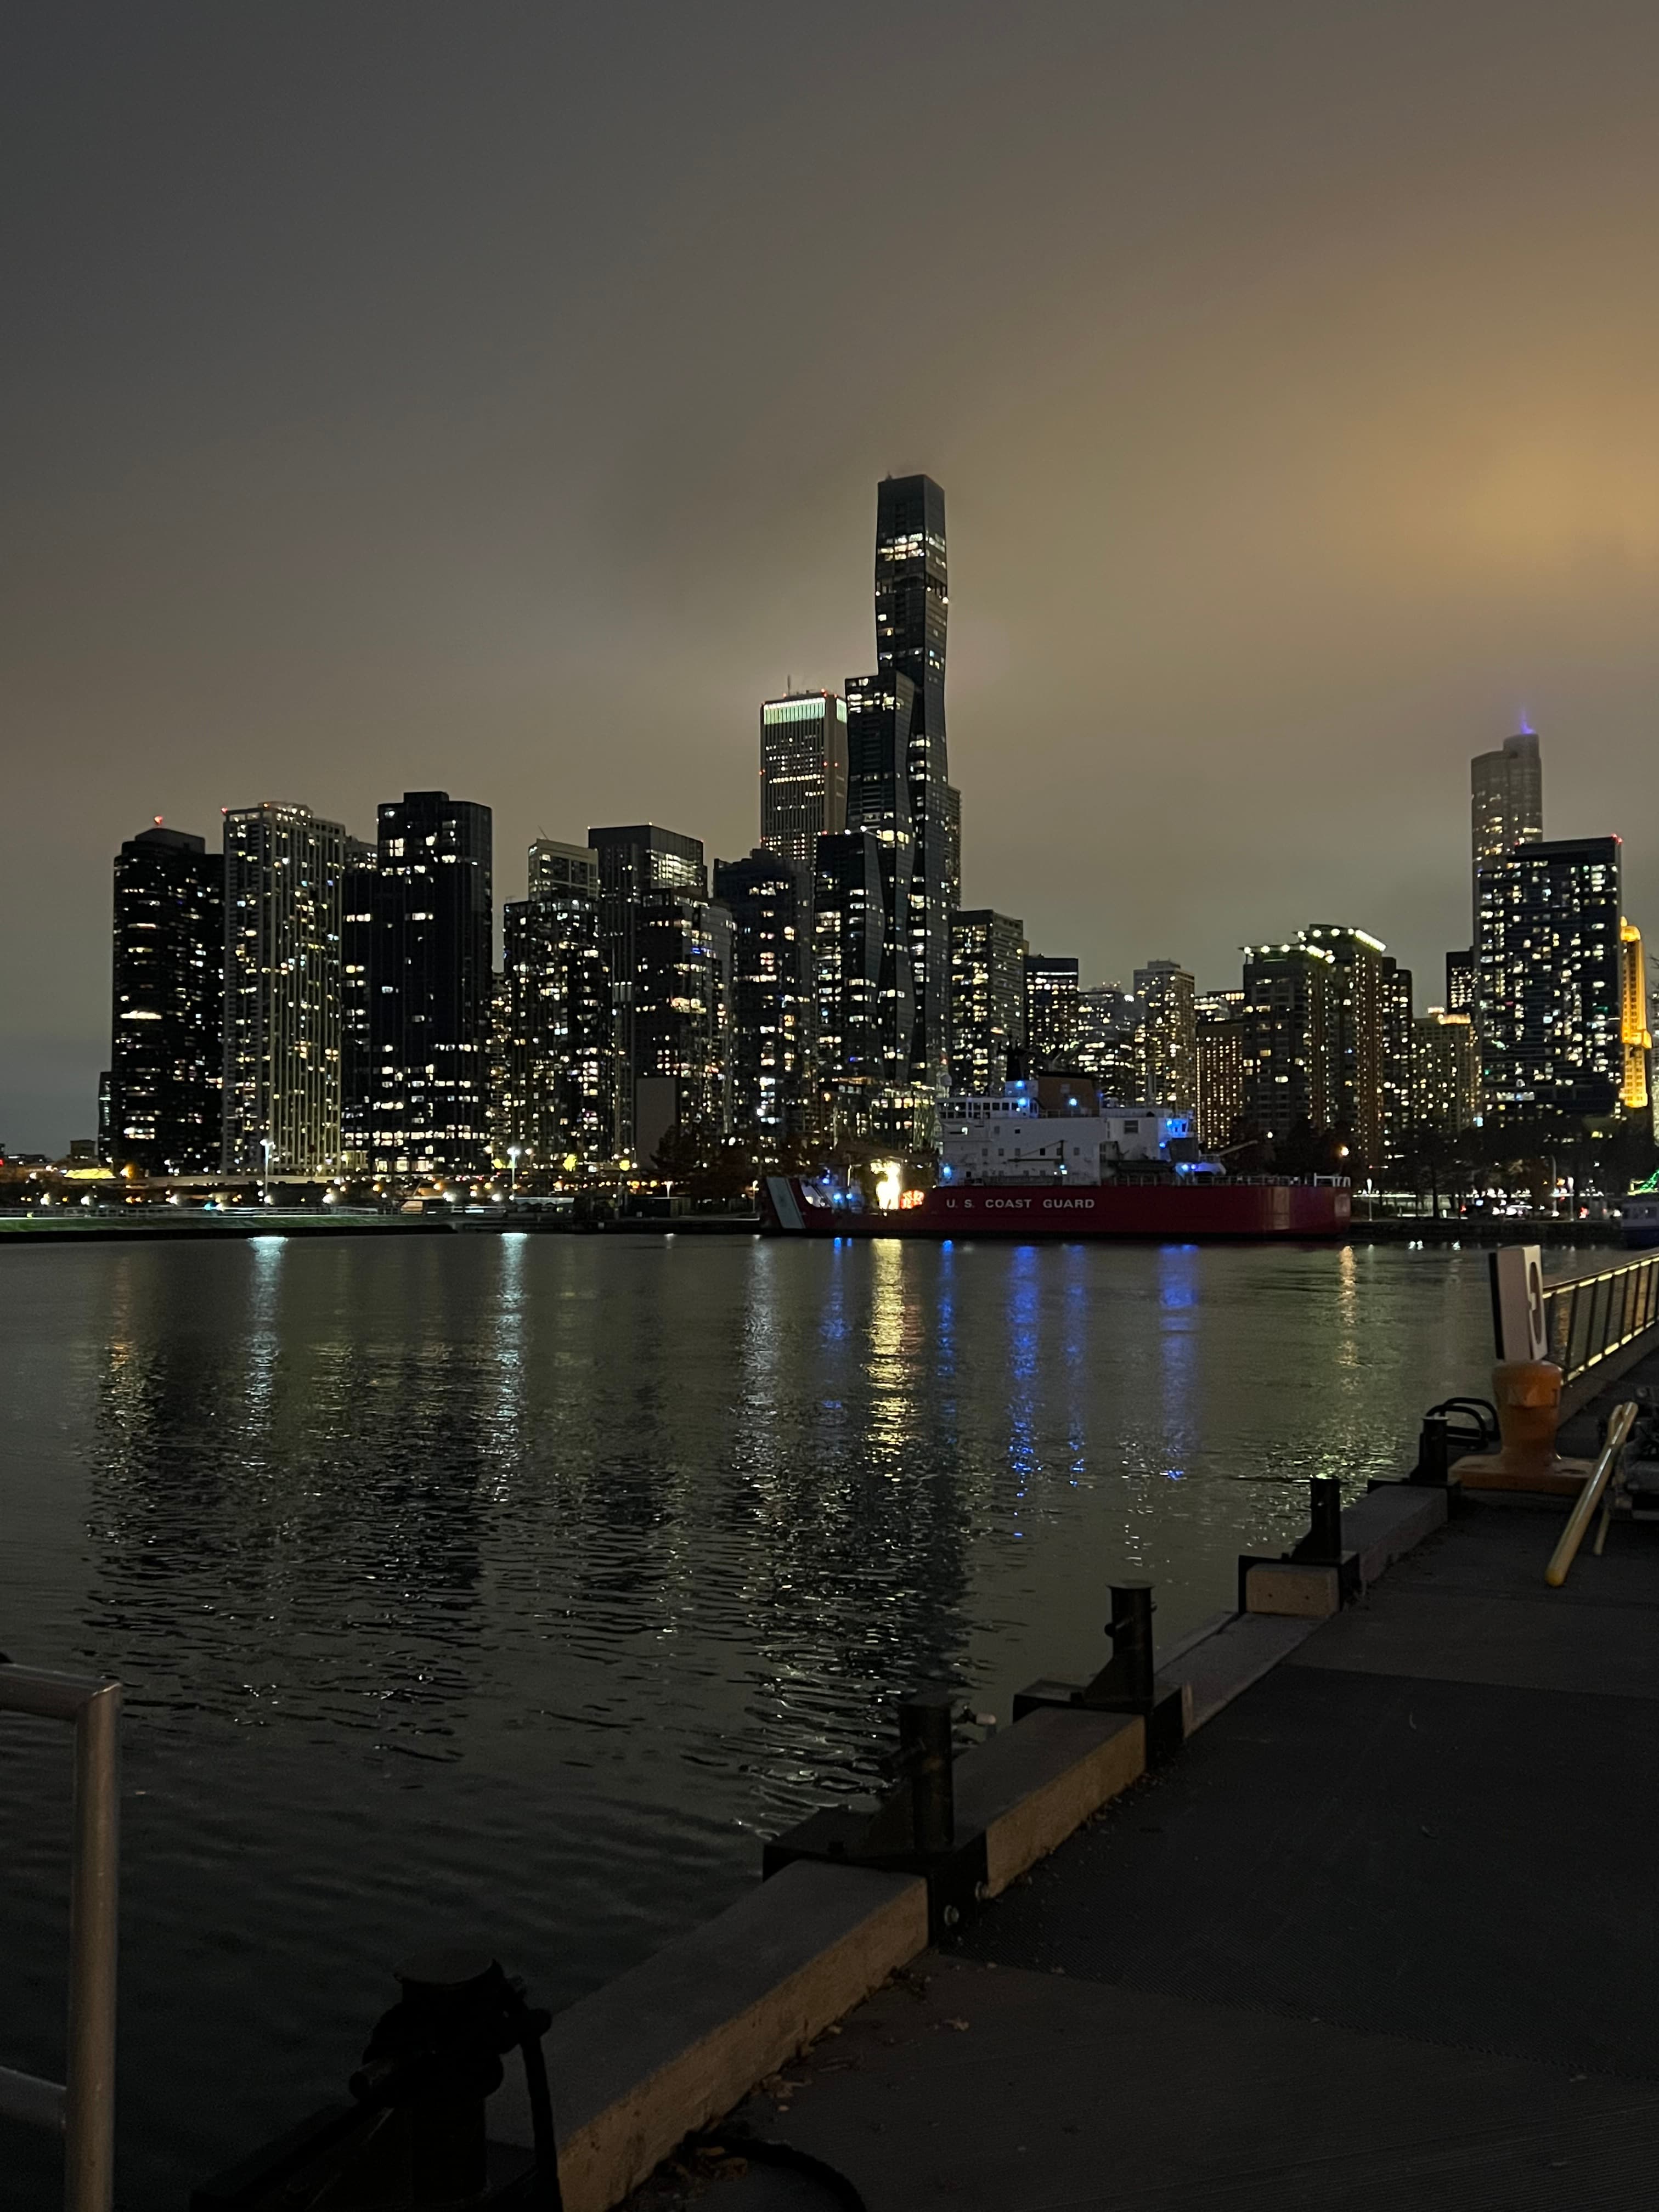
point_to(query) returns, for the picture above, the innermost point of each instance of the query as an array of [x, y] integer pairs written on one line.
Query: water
[[524, 1583]]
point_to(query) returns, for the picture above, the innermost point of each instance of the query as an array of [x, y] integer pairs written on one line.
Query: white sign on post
[[1517, 1301]]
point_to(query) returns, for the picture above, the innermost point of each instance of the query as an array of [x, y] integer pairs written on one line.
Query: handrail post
[[89, 2117]]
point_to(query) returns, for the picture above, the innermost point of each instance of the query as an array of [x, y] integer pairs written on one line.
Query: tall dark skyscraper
[[987, 999], [557, 1063], [1051, 1010], [1551, 981], [430, 976], [803, 773], [770, 900], [1460, 982], [668, 952], [165, 1074], [1354, 1032], [898, 779], [1288, 1022], [849, 957]]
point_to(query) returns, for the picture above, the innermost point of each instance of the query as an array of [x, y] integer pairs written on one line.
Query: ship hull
[[1160, 1213]]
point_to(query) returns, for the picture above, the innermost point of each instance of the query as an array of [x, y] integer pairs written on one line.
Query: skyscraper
[[769, 900], [1552, 984], [1399, 1062], [849, 953], [1168, 1035], [803, 773], [1218, 1054], [1460, 981], [1354, 1032], [168, 979], [1051, 1011], [356, 1002], [1287, 1071], [1506, 809], [987, 999], [1506, 799], [283, 883], [1445, 1073], [898, 780], [1634, 1033], [668, 952], [555, 1052], [1107, 1045], [879, 714], [431, 974]]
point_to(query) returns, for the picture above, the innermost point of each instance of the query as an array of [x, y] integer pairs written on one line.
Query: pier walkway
[[1383, 1934]]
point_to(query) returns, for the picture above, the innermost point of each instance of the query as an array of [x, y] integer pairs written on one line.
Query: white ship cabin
[[1020, 1137]]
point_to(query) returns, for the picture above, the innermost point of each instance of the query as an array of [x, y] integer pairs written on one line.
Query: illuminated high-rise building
[[1167, 1035], [1354, 1039], [1445, 1072], [1635, 1036], [1460, 981], [1108, 1042], [1398, 1022], [1506, 799], [554, 1050], [284, 872], [898, 782], [769, 900], [1287, 1030], [849, 957], [1219, 1065], [165, 1079], [803, 773], [356, 1002], [431, 975], [1506, 810], [1051, 1011], [1551, 983], [987, 999], [668, 952]]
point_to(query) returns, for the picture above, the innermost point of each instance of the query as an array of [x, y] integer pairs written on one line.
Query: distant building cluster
[[307, 1004]]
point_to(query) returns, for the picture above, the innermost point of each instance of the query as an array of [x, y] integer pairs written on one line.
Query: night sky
[[493, 397]]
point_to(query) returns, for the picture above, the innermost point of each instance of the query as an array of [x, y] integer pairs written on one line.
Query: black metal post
[[925, 1763], [1325, 1517], [1131, 1633], [1433, 1450]]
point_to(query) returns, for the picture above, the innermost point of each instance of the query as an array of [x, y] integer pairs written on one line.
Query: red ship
[[1179, 1211]]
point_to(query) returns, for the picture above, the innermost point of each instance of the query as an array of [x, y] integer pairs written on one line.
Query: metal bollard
[[925, 1756], [1433, 1450], [1125, 1683], [1322, 1545]]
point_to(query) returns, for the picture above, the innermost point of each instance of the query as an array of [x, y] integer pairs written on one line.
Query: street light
[[267, 1147], [512, 1152]]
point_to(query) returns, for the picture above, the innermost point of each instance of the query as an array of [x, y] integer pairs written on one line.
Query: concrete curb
[[1033, 1784], [684, 2037], [687, 2034]]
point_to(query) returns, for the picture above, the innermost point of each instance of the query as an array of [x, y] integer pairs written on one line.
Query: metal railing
[[1561, 1559], [82, 2109], [1590, 1317]]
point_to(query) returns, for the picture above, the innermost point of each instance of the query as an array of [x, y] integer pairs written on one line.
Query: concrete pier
[[1383, 1934]]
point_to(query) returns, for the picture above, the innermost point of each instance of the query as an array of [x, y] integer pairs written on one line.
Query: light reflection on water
[[526, 1582]]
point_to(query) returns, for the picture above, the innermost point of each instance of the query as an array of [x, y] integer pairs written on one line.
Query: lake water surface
[[523, 1584]]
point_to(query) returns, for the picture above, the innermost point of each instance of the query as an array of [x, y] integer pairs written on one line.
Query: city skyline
[[1257, 537]]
